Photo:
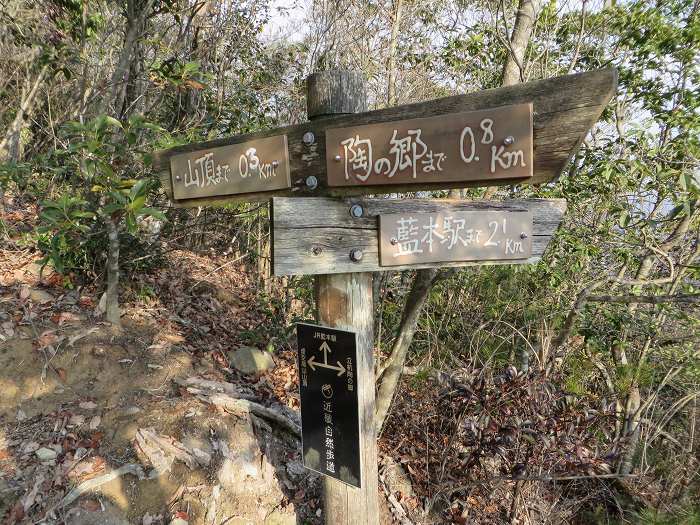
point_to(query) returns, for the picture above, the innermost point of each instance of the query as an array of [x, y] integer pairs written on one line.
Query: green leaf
[[138, 189], [153, 213], [137, 203]]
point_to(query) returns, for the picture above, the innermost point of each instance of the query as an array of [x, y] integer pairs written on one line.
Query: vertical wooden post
[[345, 301]]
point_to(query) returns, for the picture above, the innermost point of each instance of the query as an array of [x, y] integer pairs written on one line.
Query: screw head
[[510, 139], [393, 241], [316, 250], [177, 177], [338, 158], [356, 211], [275, 163], [308, 138], [523, 235], [311, 182], [356, 255]]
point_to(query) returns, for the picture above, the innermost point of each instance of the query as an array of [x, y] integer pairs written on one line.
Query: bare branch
[[646, 299]]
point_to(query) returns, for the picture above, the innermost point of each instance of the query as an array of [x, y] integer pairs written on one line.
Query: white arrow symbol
[[325, 349], [313, 364]]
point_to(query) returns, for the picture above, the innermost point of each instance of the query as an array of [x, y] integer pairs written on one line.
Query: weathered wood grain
[[316, 235], [335, 93], [565, 108], [345, 301]]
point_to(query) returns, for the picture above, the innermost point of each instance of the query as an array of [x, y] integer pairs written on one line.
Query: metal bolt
[[311, 182], [275, 163], [394, 241], [356, 255], [356, 211], [510, 139], [338, 158], [523, 235], [177, 177], [308, 138], [316, 250]]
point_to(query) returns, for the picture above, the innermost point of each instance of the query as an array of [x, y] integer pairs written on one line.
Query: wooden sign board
[[483, 145], [563, 111], [413, 238], [254, 166], [330, 417], [319, 235]]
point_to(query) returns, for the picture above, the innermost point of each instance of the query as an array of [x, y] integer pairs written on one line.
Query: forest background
[[582, 371]]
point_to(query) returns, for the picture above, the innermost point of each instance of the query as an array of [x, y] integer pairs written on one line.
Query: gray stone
[[46, 454], [250, 360]]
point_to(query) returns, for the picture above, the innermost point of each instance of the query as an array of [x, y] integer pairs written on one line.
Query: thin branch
[[646, 299]]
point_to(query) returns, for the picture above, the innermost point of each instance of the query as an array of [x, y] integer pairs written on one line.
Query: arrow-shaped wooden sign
[[522, 133]]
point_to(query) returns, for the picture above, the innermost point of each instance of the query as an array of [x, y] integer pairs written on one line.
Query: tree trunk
[[112, 294], [522, 31], [409, 321], [512, 69], [136, 14], [393, 46], [10, 145]]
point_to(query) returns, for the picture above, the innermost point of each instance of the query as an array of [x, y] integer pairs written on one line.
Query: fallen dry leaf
[[47, 338], [87, 468], [86, 302], [62, 374]]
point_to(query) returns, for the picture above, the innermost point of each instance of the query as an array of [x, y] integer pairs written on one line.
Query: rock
[[40, 296], [30, 447], [178, 521], [46, 454], [131, 411], [37, 270], [88, 405], [397, 479], [250, 360]]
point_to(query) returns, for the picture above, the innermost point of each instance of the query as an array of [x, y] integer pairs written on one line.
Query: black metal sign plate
[[330, 420]]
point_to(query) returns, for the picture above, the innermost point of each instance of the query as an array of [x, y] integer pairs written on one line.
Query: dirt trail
[[75, 394]]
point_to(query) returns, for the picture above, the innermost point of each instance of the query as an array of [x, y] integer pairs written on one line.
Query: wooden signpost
[[519, 134]]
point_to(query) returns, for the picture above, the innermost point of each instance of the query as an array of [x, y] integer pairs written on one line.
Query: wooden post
[[345, 301]]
